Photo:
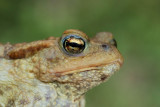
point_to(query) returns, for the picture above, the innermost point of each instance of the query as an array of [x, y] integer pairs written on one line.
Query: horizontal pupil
[[73, 44]]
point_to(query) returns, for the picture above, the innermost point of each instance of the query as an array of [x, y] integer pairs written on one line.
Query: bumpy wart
[[56, 72]]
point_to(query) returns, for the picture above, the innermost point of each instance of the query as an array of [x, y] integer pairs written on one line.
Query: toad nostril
[[105, 46]]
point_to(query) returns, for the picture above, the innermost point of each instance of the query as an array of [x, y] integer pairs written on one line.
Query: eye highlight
[[73, 44]]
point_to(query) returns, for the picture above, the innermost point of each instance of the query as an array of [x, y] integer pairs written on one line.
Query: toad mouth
[[105, 68]]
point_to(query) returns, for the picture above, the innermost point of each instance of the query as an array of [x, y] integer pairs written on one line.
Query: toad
[[56, 72]]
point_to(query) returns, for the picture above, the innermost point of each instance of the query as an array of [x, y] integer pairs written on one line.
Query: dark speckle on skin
[[8, 88], [103, 77], [10, 103], [105, 46], [23, 102], [47, 96], [37, 98], [1, 92], [67, 87]]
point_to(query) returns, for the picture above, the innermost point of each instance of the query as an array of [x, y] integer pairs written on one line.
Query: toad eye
[[113, 42], [73, 44]]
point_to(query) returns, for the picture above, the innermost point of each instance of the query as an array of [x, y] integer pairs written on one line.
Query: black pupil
[[74, 45]]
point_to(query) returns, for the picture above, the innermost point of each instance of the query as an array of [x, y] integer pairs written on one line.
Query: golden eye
[[73, 44]]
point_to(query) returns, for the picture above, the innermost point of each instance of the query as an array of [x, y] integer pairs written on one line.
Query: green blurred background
[[135, 25]]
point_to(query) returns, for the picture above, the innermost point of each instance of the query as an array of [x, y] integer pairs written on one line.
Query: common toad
[[56, 72]]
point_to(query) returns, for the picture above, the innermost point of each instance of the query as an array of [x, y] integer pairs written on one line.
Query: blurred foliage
[[134, 23]]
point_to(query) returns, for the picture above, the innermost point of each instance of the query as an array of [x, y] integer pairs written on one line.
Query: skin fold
[[51, 73]]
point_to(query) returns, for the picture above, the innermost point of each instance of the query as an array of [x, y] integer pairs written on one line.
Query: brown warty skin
[[56, 72]]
